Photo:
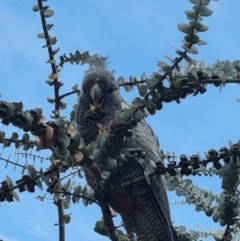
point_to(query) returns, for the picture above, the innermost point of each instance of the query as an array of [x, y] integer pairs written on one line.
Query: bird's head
[[99, 90], [99, 85]]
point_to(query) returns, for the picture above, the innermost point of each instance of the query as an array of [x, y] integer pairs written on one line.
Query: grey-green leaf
[[9, 182], [51, 61], [136, 102], [68, 184], [162, 64], [199, 26], [191, 13], [14, 136], [120, 80], [201, 42], [15, 195], [204, 11], [142, 90], [143, 76], [185, 28], [48, 13], [41, 35], [194, 1], [55, 51], [191, 38], [35, 8], [128, 88], [50, 100], [50, 82]]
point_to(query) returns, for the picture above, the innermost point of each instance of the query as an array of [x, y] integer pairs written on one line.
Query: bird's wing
[[145, 138]]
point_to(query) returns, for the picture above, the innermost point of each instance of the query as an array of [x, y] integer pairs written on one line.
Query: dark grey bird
[[144, 207]]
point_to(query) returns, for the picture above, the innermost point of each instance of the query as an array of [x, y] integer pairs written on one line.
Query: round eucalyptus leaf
[[215, 217], [112, 165], [162, 64], [14, 136], [191, 13], [125, 116], [142, 90], [62, 145], [50, 100], [63, 105], [150, 84], [105, 175], [48, 13], [209, 212], [41, 35], [199, 26], [186, 28], [143, 76], [128, 88], [35, 8], [25, 138], [191, 38], [120, 80], [68, 160], [28, 121], [149, 104], [61, 124], [67, 218], [194, 1], [194, 49], [203, 10], [75, 141], [90, 147], [99, 156], [18, 106], [136, 102], [124, 151]]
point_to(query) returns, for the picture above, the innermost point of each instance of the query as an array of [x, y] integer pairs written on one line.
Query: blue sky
[[136, 35]]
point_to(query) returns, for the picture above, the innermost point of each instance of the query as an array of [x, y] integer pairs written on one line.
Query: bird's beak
[[96, 95]]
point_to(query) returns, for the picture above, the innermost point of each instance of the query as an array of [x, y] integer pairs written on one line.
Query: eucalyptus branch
[[226, 233], [14, 163], [108, 222], [16, 141], [47, 38], [51, 60], [219, 81], [77, 57], [11, 112], [60, 216], [69, 175], [34, 156], [79, 195], [132, 83], [174, 65], [34, 178]]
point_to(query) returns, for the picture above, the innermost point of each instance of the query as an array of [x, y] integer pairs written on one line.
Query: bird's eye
[[110, 90]]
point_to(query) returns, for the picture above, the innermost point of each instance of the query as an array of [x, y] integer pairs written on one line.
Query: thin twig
[[224, 238], [14, 163], [69, 93]]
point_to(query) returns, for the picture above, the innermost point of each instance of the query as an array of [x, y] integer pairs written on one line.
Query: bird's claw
[[93, 115]]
